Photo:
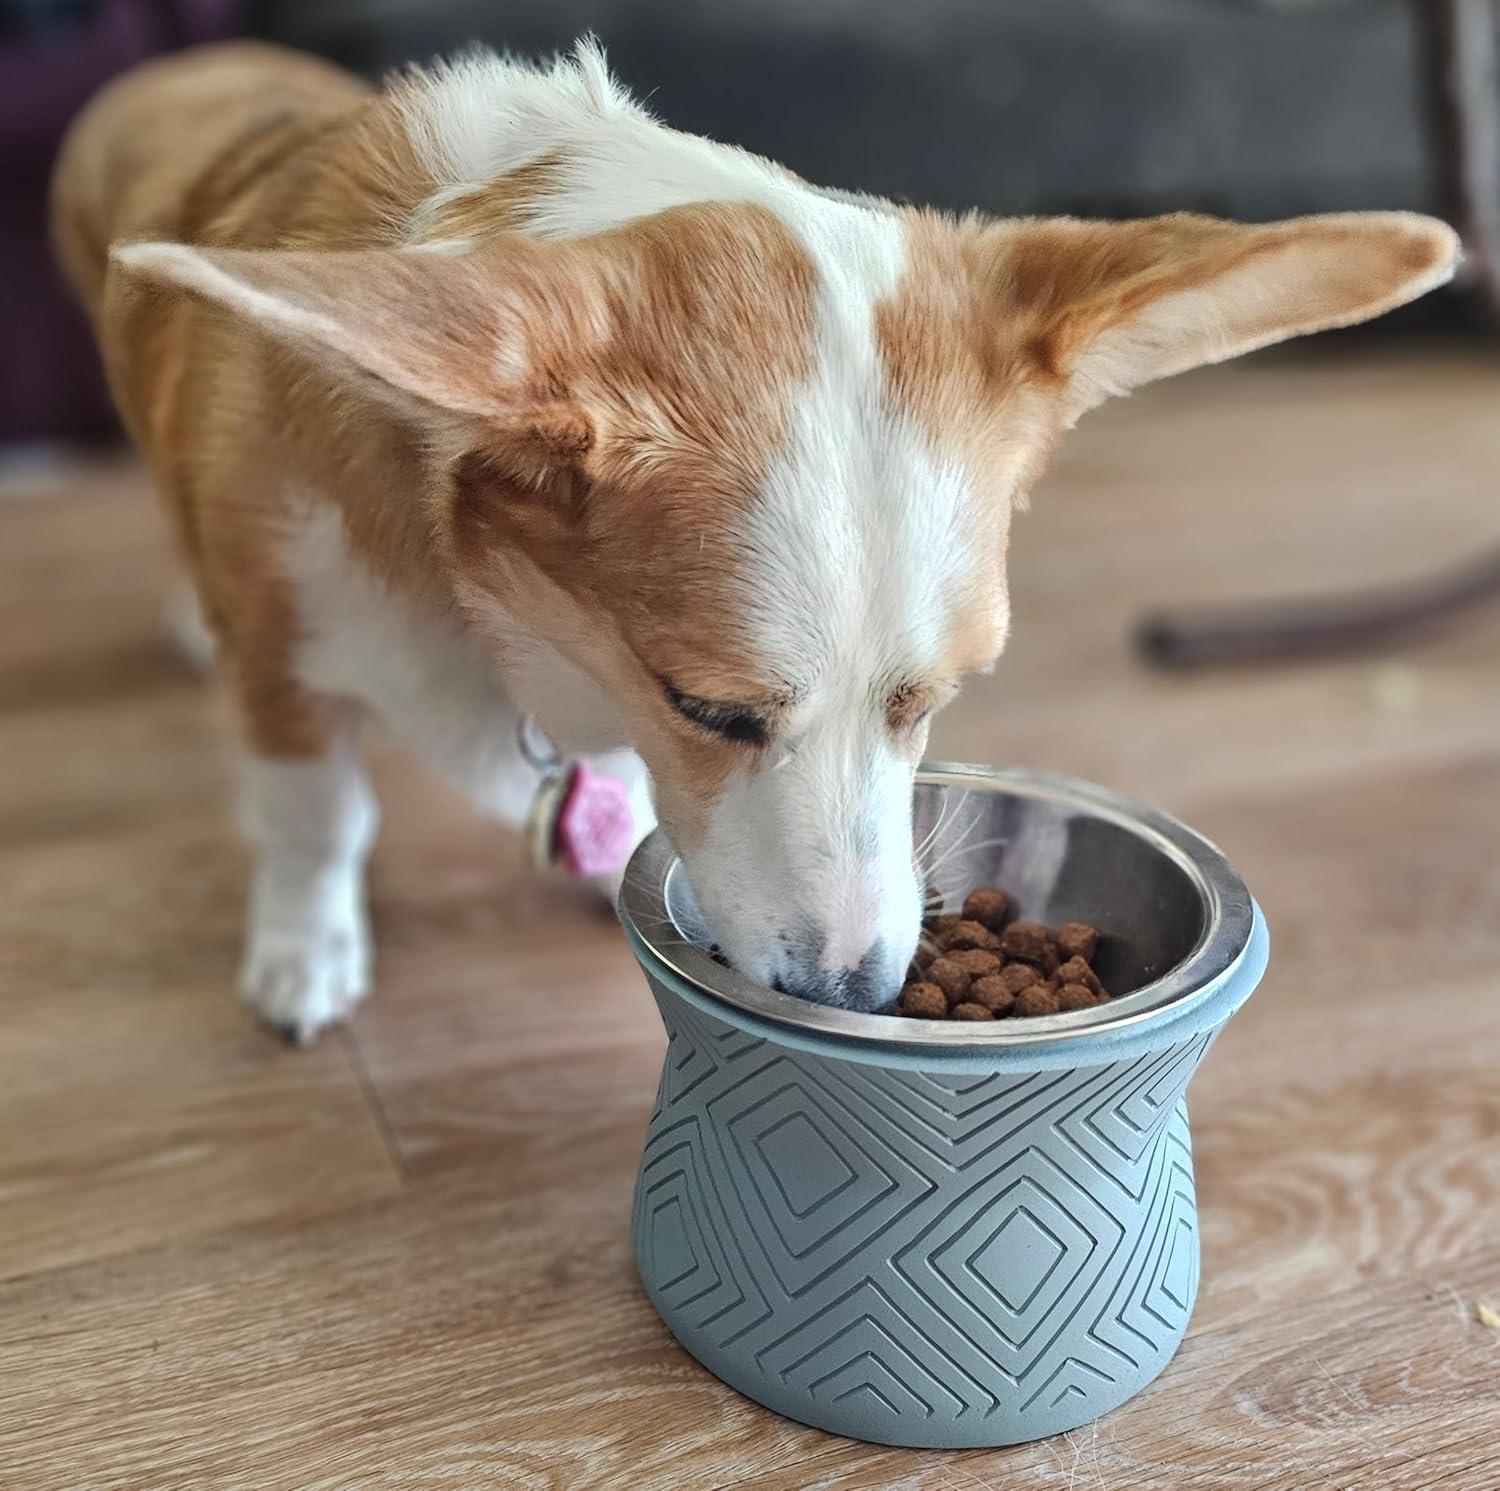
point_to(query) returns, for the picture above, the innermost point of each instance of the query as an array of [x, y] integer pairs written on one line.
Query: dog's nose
[[864, 987]]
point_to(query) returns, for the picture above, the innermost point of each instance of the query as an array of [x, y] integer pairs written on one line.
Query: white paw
[[300, 982]]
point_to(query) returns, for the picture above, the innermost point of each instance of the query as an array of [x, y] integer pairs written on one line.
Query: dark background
[[1255, 108]]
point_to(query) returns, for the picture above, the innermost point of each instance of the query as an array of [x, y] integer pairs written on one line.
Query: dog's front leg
[[310, 821]]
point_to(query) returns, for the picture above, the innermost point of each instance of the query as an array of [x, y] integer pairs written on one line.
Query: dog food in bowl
[[981, 964]]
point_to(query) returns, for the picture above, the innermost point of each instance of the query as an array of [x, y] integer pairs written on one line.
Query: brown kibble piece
[[968, 935], [994, 993], [982, 969], [1018, 976], [975, 961], [1076, 997], [967, 1011], [1078, 940], [924, 1001], [987, 906], [1037, 999], [1029, 942], [950, 977], [1076, 971]]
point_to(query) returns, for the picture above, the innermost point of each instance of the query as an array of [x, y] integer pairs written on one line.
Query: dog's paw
[[301, 982]]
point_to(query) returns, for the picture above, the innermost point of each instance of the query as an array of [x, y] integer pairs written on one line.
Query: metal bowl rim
[[1228, 917]]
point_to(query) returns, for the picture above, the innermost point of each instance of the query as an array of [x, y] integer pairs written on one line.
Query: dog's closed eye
[[741, 723]]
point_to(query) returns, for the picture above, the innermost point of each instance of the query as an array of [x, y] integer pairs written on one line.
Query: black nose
[[862, 988]]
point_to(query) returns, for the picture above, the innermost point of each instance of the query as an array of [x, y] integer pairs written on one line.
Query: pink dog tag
[[595, 827]]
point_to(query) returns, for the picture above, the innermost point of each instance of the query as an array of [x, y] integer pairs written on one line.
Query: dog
[[484, 395]]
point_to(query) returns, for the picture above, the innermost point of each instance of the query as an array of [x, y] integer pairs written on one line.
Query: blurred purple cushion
[[50, 385]]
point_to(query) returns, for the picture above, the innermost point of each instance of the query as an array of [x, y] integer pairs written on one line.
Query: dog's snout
[[867, 985]]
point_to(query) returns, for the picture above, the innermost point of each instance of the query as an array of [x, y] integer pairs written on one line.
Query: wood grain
[[402, 1260]]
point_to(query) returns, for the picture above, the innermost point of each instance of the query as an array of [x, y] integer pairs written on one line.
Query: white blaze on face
[[853, 562]]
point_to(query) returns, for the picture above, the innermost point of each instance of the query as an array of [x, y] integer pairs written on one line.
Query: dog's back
[[164, 151]]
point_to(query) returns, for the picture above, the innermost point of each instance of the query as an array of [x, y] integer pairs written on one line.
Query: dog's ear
[[1117, 304], [459, 333]]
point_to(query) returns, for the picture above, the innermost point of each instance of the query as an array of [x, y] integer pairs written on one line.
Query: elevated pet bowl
[[935, 1233]]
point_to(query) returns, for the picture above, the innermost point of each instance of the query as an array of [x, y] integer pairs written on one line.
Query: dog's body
[[490, 394]]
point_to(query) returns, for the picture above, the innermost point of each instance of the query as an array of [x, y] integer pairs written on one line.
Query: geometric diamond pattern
[[916, 1257], [1018, 1258]]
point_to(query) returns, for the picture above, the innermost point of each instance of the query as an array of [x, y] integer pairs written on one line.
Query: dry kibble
[[975, 961], [1077, 971], [1027, 942], [987, 906], [969, 934], [1037, 999], [924, 1001], [1076, 997], [950, 977], [1078, 940], [975, 966], [1018, 976], [994, 993]]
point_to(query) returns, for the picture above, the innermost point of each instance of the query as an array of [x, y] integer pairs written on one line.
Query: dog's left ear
[[1117, 304], [464, 334]]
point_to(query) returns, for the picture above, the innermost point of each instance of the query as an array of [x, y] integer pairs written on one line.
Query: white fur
[[186, 266], [435, 684], [862, 548], [307, 940], [859, 540], [478, 118], [416, 666], [185, 626]]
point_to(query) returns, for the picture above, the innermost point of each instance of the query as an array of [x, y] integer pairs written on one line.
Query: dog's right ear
[[1118, 304], [473, 335]]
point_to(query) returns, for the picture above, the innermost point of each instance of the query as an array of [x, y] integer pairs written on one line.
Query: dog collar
[[580, 817]]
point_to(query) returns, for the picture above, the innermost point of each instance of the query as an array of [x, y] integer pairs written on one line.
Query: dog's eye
[[737, 722], [912, 705]]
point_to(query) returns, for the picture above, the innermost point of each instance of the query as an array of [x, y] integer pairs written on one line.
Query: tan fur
[[499, 207], [670, 427], [151, 159], [578, 424], [287, 153]]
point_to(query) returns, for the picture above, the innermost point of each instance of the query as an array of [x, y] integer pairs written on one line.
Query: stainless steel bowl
[[1174, 914]]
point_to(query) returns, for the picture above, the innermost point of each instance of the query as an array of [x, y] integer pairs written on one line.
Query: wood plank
[[139, 1102], [403, 1258], [1394, 1386], [1274, 478]]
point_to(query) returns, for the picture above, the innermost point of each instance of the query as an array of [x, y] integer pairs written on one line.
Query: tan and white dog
[[486, 393]]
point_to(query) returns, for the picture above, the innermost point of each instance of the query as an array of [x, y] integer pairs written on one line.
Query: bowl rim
[[1228, 923]]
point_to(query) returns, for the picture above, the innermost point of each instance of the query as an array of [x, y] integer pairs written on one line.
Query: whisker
[[958, 841], [950, 806], [966, 849], [938, 838]]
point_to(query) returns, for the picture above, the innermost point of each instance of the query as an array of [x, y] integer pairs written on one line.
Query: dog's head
[[748, 475]]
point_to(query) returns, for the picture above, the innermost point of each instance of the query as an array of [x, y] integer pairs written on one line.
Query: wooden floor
[[401, 1259]]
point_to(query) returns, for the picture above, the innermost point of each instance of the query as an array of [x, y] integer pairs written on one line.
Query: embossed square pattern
[[913, 1257]]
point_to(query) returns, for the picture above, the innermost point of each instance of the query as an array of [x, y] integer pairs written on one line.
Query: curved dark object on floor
[[1259, 632]]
